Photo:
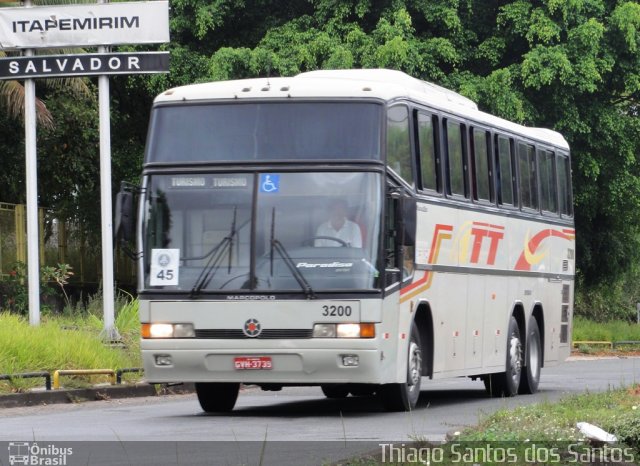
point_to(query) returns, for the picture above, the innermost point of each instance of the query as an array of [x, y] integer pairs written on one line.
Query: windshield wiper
[[215, 257], [286, 258]]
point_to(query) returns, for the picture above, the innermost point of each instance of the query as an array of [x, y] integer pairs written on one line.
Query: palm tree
[[12, 92], [12, 95]]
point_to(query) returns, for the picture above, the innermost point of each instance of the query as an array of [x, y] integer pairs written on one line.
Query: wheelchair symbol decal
[[269, 183]]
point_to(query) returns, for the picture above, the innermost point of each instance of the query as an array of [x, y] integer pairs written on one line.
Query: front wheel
[[335, 391], [533, 356], [217, 397], [506, 383], [404, 396]]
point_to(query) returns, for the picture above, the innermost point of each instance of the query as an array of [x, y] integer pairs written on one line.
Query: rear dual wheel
[[523, 365], [533, 355]]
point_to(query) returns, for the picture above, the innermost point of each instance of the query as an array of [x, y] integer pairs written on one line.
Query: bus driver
[[339, 226]]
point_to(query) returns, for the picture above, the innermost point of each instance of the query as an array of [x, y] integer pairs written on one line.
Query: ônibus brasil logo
[[33, 454]]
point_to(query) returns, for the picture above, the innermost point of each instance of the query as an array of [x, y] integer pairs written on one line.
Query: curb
[[80, 395]]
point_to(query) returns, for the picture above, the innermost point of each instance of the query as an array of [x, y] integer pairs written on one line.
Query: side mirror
[[124, 216], [408, 208]]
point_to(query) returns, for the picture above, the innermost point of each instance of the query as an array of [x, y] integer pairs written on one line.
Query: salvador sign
[[87, 64], [84, 25]]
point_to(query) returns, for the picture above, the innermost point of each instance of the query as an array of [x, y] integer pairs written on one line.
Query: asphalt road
[[288, 419]]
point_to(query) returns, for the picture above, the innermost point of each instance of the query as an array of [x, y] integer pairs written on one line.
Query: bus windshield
[[288, 232], [265, 131]]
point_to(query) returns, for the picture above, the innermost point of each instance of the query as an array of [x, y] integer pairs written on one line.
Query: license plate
[[253, 363]]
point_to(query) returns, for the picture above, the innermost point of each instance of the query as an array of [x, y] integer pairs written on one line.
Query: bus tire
[[404, 396], [530, 377], [217, 397], [362, 390], [335, 391], [507, 383]]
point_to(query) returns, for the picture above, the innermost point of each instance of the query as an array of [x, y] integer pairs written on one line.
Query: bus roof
[[383, 84]]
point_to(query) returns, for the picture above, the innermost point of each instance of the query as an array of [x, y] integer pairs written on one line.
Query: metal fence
[[60, 242]]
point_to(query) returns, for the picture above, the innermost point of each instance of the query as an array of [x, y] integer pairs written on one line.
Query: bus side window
[[429, 160], [456, 160], [564, 185], [528, 176], [399, 143], [505, 171], [548, 183], [481, 166]]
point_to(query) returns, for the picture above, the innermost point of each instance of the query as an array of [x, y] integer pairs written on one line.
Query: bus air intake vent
[[272, 333]]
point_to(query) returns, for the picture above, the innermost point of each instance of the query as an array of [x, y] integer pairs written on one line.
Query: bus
[[358, 230]]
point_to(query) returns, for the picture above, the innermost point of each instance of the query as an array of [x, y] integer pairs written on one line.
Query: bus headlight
[[324, 331], [363, 330], [168, 331], [348, 330]]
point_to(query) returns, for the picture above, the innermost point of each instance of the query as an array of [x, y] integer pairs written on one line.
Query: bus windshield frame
[[303, 231]]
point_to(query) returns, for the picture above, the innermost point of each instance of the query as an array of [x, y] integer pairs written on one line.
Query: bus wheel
[[531, 374], [217, 397], [507, 383], [404, 396], [335, 391], [362, 389]]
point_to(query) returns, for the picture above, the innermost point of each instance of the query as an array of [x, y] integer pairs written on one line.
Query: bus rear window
[[202, 133]]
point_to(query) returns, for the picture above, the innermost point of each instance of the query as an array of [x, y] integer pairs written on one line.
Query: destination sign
[[90, 64], [81, 25]]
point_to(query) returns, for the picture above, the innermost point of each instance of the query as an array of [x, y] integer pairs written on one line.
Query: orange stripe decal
[[440, 233]]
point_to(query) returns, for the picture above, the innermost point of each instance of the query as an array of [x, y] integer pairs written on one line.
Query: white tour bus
[[356, 230]]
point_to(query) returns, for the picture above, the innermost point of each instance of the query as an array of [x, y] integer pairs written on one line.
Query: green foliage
[[14, 294], [60, 276], [52, 346], [570, 65], [615, 300], [627, 428], [613, 330], [615, 411]]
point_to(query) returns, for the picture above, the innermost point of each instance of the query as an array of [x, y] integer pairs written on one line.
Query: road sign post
[[31, 168]]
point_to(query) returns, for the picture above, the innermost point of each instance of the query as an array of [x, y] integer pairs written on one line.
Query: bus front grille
[[266, 333]]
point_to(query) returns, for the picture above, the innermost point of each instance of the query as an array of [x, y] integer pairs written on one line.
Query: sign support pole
[[110, 332], [31, 163]]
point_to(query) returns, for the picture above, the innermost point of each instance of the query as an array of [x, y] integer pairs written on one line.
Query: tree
[[570, 65]]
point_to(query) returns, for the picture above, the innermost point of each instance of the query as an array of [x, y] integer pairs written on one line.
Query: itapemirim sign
[[84, 25]]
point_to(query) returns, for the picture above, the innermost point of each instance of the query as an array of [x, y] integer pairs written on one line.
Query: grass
[[613, 331], [70, 341], [534, 434], [615, 411]]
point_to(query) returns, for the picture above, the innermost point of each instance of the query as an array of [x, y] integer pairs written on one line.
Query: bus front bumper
[[350, 364]]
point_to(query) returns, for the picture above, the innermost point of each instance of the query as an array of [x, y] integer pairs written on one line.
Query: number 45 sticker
[[164, 267]]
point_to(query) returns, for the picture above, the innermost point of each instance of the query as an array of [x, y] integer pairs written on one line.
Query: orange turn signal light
[[367, 330], [145, 331]]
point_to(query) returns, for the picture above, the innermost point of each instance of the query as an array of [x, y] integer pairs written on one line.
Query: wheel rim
[[515, 359], [534, 358], [415, 366]]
